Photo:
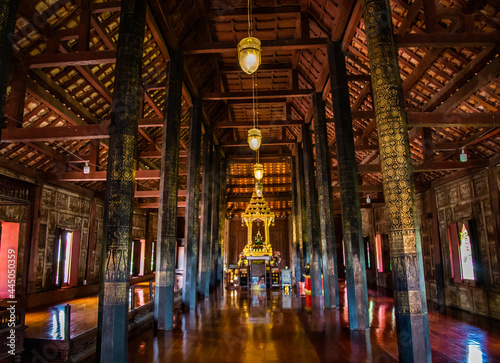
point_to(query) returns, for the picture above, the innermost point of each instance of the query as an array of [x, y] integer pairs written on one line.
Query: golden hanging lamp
[[249, 52]]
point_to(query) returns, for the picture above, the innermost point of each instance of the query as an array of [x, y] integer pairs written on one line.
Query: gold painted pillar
[[267, 222], [412, 321], [112, 329], [249, 231]]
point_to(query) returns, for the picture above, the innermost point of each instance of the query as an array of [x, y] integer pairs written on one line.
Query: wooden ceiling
[[448, 55]]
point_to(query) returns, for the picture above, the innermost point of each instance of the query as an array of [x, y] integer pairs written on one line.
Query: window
[[466, 264], [461, 252], [137, 256], [67, 251], [153, 256], [132, 258], [383, 253], [367, 251]]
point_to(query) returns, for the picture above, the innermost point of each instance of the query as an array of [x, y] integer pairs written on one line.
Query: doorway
[[67, 252]]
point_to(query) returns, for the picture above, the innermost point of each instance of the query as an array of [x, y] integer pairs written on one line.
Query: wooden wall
[[278, 234], [473, 197]]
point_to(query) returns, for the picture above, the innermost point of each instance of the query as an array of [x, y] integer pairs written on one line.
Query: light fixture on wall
[[86, 168], [368, 200], [463, 156], [249, 48]]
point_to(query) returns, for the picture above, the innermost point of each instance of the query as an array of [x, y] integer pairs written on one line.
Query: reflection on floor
[[48, 322], [251, 326]]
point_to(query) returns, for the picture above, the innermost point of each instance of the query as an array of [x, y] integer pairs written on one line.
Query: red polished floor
[[235, 326]]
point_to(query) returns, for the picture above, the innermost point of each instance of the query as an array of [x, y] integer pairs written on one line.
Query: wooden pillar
[[352, 227], [148, 240], [296, 251], [169, 183], [328, 245], [222, 219], [437, 257], [313, 228], [36, 194], [206, 210], [495, 208], [112, 329], [8, 14], [301, 200], [14, 103], [412, 322], [216, 167], [192, 231], [91, 252]]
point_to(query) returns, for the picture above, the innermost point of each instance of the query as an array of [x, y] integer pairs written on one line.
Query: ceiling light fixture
[[259, 189], [258, 171], [249, 49], [463, 156], [86, 168], [368, 200]]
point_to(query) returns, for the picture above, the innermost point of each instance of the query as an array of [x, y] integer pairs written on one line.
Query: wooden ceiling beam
[[263, 67], [267, 45], [448, 40], [155, 193], [268, 142], [262, 124], [430, 166], [270, 197], [71, 59], [107, 6], [242, 13], [101, 175], [244, 159], [101, 131], [51, 134], [485, 76], [222, 96], [276, 100]]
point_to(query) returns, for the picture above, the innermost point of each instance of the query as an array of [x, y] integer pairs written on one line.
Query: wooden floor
[[235, 326], [48, 322]]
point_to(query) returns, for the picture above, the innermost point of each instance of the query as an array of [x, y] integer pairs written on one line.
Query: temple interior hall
[[250, 181]]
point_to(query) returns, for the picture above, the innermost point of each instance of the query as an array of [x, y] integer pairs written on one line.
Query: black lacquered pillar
[[296, 253], [8, 13], [313, 228], [192, 231], [301, 204], [222, 219], [206, 221], [216, 167], [349, 192], [119, 205], [412, 322], [167, 210], [328, 245]]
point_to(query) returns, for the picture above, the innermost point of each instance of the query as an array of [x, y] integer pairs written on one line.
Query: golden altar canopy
[[258, 210]]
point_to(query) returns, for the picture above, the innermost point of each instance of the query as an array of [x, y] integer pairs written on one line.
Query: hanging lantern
[[249, 54], [258, 171], [259, 188], [463, 156], [254, 139]]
